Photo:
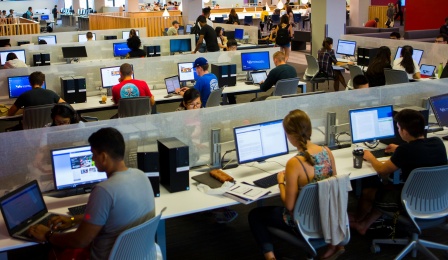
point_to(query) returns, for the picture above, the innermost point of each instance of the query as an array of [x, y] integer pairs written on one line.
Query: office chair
[[138, 242], [219, 19], [286, 87], [307, 218], [425, 200], [248, 20], [312, 73], [354, 71], [36, 116], [137, 106], [43, 26], [275, 19], [395, 76], [214, 99]]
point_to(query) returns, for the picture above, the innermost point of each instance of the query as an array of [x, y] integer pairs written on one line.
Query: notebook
[[22, 208], [171, 84], [258, 76], [427, 70]]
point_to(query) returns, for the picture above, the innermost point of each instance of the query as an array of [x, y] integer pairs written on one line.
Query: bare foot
[[359, 227], [332, 251]]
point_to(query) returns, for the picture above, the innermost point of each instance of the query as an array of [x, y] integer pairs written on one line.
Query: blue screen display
[[439, 106], [239, 33], [19, 85], [255, 61], [121, 49], [45, 17], [180, 45]]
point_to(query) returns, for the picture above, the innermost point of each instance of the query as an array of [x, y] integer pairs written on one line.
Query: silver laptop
[[258, 76], [23, 208], [427, 70]]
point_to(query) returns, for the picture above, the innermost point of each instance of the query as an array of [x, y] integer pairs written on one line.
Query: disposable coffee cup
[[358, 155]]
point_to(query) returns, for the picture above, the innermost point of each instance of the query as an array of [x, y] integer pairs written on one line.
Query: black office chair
[[275, 19], [248, 20], [37, 116], [395, 76], [138, 106]]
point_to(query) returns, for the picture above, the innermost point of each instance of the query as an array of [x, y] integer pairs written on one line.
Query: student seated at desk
[[360, 82], [406, 63], [232, 45], [12, 62], [36, 96], [129, 88], [191, 100], [375, 71], [222, 40], [282, 70], [326, 58], [311, 164], [123, 201], [134, 44], [63, 114], [417, 152]]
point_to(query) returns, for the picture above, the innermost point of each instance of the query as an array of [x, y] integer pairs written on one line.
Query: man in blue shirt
[[29, 13], [205, 83]]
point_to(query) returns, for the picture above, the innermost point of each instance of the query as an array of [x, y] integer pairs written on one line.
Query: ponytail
[[407, 62]]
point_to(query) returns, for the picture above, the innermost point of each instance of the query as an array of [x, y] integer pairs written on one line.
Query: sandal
[[336, 254]]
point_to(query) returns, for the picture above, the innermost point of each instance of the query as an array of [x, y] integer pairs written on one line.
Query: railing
[[18, 26]]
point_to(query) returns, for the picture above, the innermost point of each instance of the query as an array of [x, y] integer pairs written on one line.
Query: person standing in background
[[444, 28], [390, 15], [399, 12], [55, 13]]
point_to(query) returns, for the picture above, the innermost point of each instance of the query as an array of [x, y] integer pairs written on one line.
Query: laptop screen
[[171, 84], [416, 55], [22, 204], [259, 76], [427, 70], [73, 167]]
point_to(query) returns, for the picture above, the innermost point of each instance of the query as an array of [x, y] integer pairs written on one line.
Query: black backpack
[[196, 29], [24, 15], [283, 36]]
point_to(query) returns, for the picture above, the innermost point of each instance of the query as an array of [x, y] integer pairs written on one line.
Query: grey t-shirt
[[123, 201]]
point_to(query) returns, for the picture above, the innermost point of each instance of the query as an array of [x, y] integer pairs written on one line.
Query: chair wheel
[[375, 249]]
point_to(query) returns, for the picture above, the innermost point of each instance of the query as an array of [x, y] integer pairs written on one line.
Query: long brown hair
[[297, 124], [381, 61], [407, 62]]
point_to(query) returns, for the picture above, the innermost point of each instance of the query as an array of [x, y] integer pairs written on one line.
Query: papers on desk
[[245, 193]]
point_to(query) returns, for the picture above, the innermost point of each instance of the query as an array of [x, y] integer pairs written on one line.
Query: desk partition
[[25, 154]]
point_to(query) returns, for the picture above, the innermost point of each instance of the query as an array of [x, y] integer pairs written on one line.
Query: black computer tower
[[174, 164], [148, 162], [68, 91], [37, 60], [22, 42], [110, 37], [45, 59], [81, 89], [152, 50], [226, 74], [366, 55]]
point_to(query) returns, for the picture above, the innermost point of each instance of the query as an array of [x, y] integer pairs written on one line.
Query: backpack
[[283, 36], [24, 15], [196, 29]]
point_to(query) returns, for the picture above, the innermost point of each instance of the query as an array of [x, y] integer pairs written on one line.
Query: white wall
[[22, 6]]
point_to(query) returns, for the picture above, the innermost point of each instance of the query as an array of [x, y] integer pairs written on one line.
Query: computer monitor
[[230, 34], [18, 85], [188, 28], [110, 76], [371, 124], [125, 34], [186, 71], [239, 34], [347, 48], [45, 17], [259, 142], [74, 52], [73, 168], [439, 105], [427, 70], [171, 84], [180, 45], [83, 37], [49, 39], [255, 61], [120, 49], [416, 55], [19, 53]]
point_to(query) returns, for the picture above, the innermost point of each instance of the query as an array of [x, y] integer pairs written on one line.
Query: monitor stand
[[68, 193]]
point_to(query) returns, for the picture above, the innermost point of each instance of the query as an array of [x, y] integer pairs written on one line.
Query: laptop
[[23, 208], [427, 71], [171, 84], [258, 76]]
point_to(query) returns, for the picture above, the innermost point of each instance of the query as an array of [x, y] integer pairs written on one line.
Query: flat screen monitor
[[125, 34], [171, 84], [180, 45], [110, 76], [255, 61], [83, 37], [74, 52], [416, 55], [230, 34], [239, 34], [371, 124], [347, 48], [74, 167], [439, 105], [45, 17], [49, 39], [186, 71], [19, 53], [120, 49], [188, 28], [18, 85], [259, 142]]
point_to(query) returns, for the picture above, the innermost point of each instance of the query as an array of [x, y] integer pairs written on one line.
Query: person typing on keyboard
[[124, 200], [311, 164], [417, 152]]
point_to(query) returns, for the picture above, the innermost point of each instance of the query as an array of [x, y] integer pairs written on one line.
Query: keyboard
[[77, 210], [380, 153], [43, 221], [267, 182], [343, 60]]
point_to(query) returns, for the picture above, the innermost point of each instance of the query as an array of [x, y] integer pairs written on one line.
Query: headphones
[[73, 114]]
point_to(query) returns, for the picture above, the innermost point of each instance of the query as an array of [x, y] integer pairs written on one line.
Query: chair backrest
[[275, 18], [43, 23], [313, 66], [37, 116], [297, 17], [137, 106], [286, 87], [248, 19], [219, 19], [214, 99], [355, 71], [425, 193], [137, 242], [395, 76]]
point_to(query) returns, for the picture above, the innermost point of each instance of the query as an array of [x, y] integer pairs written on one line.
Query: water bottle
[[439, 71]]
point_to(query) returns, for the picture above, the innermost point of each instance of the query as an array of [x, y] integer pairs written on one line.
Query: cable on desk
[[255, 167], [372, 146], [222, 158], [277, 163], [338, 135]]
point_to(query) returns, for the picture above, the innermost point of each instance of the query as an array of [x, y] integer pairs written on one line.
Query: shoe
[[225, 215], [336, 254]]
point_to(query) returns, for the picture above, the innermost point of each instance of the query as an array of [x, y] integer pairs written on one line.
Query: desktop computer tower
[[41, 59], [174, 164], [81, 90], [73, 89], [366, 55], [22, 42], [110, 37], [148, 162], [37, 60], [152, 50], [226, 74]]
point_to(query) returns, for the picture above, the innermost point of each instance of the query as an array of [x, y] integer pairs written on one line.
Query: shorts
[[388, 198], [284, 46]]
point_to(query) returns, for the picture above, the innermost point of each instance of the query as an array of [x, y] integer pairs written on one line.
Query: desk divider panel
[[25, 154]]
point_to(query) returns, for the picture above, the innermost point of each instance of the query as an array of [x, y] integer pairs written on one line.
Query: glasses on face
[[195, 105]]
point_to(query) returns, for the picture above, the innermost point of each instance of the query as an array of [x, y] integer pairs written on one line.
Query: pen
[[247, 191]]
